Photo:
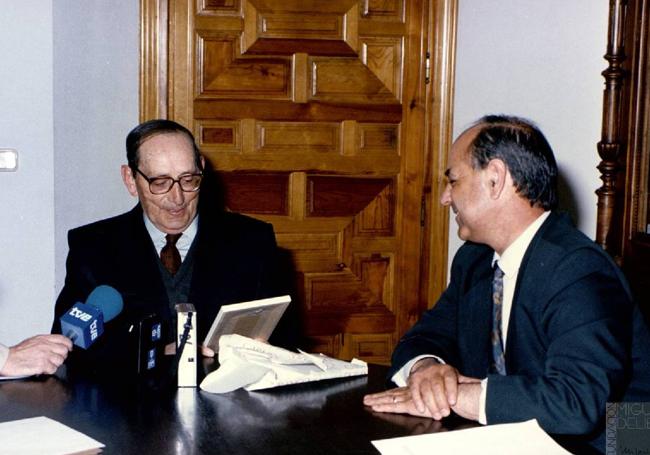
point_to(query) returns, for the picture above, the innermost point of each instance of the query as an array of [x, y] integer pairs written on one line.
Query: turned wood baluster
[[609, 148]]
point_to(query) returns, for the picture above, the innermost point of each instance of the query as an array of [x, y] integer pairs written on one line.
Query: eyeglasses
[[188, 183]]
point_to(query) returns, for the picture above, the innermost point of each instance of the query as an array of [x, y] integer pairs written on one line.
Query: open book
[[255, 319]]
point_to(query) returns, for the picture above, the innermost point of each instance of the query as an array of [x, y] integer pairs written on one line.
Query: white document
[[255, 365], [41, 435], [504, 439]]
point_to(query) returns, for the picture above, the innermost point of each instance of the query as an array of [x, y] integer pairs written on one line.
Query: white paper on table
[[255, 365], [40, 435], [503, 439]]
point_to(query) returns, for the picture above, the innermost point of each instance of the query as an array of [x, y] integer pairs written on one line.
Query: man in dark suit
[[537, 321], [171, 248]]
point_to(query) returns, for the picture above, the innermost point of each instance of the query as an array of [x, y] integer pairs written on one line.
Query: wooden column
[[610, 146]]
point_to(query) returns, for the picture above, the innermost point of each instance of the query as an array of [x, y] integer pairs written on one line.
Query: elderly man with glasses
[[173, 247]]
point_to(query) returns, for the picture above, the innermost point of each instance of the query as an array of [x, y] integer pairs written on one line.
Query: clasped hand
[[433, 390]]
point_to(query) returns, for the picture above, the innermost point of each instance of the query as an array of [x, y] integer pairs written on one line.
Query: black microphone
[[83, 324], [146, 343]]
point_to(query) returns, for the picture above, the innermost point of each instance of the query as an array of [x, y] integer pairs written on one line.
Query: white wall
[[541, 60], [27, 195], [96, 61], [69, 96]]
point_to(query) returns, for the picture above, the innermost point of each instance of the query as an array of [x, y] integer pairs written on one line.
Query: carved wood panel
[[313, 113]]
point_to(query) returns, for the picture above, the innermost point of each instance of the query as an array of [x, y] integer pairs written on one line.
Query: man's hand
[[41, 354], [469, 396], [397, 401], [170, 349], [433, 387], [433, 390]]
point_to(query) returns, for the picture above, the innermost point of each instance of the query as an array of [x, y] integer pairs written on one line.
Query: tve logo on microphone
[[96, 327], [83, 324], [77, 313]]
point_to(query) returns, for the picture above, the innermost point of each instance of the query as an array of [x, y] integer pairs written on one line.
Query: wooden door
[[316, 115]]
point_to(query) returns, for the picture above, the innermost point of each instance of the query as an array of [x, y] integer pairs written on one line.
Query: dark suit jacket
[[570, 336], [235, 260]]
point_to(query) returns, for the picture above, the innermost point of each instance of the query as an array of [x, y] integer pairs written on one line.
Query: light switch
[[8, 160]]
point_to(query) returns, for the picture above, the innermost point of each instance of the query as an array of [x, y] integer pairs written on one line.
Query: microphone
[[83, 324]]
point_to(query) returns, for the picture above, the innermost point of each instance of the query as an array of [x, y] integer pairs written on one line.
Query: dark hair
[[151, 128], [524, 150]]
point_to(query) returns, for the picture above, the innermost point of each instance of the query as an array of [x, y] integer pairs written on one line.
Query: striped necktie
[[498, 359]]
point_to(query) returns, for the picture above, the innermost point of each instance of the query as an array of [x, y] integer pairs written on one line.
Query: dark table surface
[[326, 417]]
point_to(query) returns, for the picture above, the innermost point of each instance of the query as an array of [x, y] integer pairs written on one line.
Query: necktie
[[169, 255], [498, 359]]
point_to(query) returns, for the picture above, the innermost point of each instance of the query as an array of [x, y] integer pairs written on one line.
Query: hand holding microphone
[[84, 323], [40, 354]]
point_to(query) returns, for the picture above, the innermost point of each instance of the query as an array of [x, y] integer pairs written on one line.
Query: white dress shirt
[[4, 354], [509, 263], [184, 242]]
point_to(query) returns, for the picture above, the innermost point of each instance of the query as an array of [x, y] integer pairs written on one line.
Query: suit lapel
[[139, 257], [210, 261], [533, 266], [476, 319]]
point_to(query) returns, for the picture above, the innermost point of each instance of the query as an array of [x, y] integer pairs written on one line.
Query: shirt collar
[[511, 258], [158, 237]]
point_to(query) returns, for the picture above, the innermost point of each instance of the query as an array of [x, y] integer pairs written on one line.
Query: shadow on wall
[[566, 198]]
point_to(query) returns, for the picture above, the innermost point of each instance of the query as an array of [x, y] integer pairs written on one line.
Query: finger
[[402, 407], [58, 349], [50, 367], [63, 340], [378, 398], [451, 389], [467, 380], [436, 400], [373, 398], [206, 351], [170, 349], [416, 396]]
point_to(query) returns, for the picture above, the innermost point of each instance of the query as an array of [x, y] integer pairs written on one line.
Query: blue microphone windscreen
[[107, 300]]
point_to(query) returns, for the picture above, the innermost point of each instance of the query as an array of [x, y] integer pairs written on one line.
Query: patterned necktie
[[169, 255], [498, 359]]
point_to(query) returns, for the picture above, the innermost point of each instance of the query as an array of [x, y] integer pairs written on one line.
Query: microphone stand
[[186, 332]]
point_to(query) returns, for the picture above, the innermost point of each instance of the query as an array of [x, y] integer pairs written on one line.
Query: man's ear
[[129, 180], [497, 174]]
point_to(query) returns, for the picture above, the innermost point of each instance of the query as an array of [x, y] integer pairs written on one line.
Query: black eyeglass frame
[[179, 180]]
